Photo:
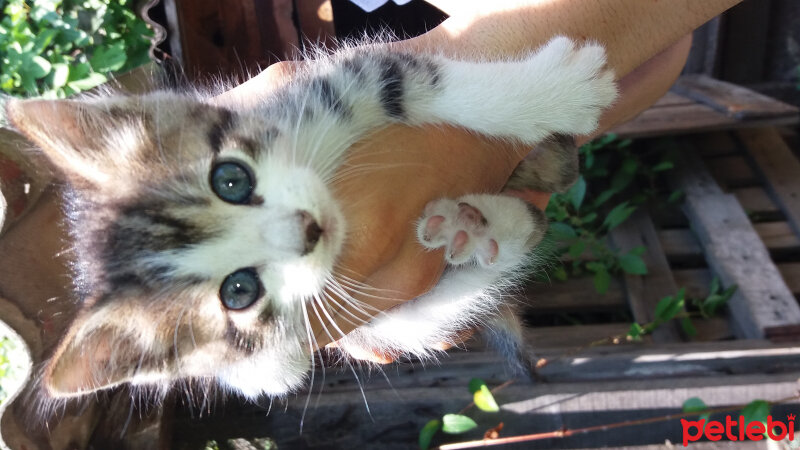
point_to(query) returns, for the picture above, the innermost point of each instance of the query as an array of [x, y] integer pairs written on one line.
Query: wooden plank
[[645, 291], [394, 418], [695, 281], [572, 336], [614, 383], [716, 143], [681, 243], [734, 101], [577, 294], [685, 119], [735, 252], [779, 167], [756, 200], [778, 237], [791, 275], [732, 172], [672, 99]]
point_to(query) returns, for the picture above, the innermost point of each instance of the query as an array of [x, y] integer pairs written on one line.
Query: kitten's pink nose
[[312, 231]]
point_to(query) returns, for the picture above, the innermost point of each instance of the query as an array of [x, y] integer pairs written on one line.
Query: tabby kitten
[[206, 236]]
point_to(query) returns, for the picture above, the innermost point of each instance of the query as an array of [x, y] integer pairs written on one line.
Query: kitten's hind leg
[[551, 167], [503, 333]]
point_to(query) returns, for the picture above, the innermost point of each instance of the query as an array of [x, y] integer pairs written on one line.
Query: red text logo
[[714, 430]]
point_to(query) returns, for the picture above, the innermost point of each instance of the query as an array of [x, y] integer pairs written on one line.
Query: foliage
[[6, 346], [603, 190], [55, 48], [459, 423], [672, 307], [12, 365]]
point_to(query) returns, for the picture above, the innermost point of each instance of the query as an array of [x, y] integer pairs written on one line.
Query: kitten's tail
[[503, 333]]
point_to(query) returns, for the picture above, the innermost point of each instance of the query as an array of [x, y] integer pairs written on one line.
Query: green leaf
[[604, 197], [632, 264], [457, 424], [728, 293], [92, 80], [576, 249], [484, 400], [756, 411], [713, 288], [694, 404], [109, 59], [427, 433], [688, 327], [60, 75], [662, 166], [44, 39], [589, 218], [37, 67], [619, 214], [562, 231], [638, 250], [675, 196], [577, 193], [602, 280], [475, 385], [560, 274], [667, 307], [636, 331], [588, 161]]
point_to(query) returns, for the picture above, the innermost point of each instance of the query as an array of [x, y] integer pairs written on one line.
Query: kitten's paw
[[459, 227], [583, 82]]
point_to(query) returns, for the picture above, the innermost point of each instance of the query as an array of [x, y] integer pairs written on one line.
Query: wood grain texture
[[734, 101], [779, 168], [603, 385], [645, 291], [736, 253]]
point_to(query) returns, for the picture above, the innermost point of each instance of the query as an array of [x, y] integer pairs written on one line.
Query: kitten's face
[[203, 238]]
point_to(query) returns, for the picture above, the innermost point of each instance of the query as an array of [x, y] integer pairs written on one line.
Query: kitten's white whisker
[[324, 308], [355, 375], [311, 345], [350, 300], [343, 309], [359, 288]]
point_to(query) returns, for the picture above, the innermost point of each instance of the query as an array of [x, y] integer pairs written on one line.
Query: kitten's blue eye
[[240, 289], [232, 182]]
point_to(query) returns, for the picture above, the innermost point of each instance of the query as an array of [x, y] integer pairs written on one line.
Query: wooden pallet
[[751, 169]]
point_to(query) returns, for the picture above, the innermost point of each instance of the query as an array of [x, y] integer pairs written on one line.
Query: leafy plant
[[459, 423], [56, 48], [672, 307], [610, 168]]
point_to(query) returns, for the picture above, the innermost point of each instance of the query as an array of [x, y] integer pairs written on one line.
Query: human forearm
[[633, 31]]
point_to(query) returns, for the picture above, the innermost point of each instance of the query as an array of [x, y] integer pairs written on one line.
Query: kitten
[[205, 236]]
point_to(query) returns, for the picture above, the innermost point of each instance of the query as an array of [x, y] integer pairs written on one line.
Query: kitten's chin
[[271, 373]]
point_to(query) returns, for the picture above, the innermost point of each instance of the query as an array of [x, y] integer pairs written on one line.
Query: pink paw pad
[[462, 229]]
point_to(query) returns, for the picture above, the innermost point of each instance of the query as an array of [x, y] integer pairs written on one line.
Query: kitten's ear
[[98, 359], [74, 134]]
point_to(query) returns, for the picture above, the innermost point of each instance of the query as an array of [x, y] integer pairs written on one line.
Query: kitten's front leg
[[495, 232], [559, 89]]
